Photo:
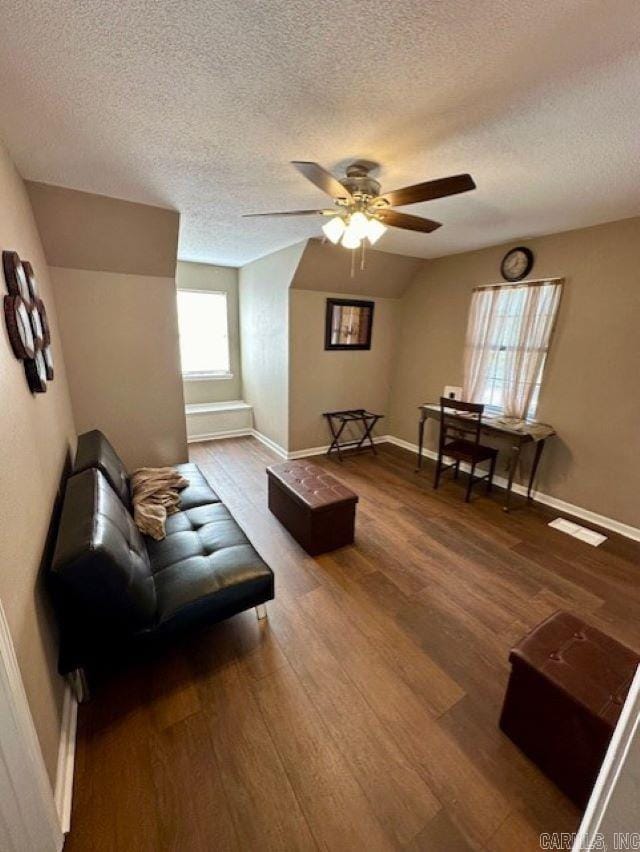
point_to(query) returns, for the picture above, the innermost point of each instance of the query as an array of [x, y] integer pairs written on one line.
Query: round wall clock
[[15, 276], [44, 322], [517, 263], [32, 281], [48, 362], [36, 371], [16, 315]]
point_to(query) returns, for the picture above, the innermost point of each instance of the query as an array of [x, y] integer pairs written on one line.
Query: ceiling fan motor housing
[[359, 183]]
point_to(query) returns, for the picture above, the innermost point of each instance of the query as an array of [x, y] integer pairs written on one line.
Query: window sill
[[210, 407], [206, 377]]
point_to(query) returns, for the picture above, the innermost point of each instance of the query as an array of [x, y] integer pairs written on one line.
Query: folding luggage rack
[[339, 420]]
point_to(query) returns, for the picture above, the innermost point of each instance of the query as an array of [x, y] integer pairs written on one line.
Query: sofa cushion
[[198, 492], [206, 567], [100, 561], [94, 450]]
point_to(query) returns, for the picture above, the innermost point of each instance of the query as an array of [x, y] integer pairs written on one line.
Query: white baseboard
[[561, 505], [300, 454], [66, 759], [320, 451], [271, 444], [406, 445], [218, 436]]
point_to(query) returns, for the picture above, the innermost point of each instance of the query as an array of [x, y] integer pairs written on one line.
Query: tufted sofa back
[[94, 450], [100, 565]]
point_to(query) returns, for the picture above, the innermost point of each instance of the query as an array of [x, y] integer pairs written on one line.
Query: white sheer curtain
[[507, 340]]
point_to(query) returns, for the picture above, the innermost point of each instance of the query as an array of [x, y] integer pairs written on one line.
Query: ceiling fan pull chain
[[353, 263], [362, 256]]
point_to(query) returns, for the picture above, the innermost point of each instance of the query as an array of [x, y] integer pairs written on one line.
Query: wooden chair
[[460, 440]]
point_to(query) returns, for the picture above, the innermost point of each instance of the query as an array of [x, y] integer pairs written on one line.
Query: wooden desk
[[530, 432]]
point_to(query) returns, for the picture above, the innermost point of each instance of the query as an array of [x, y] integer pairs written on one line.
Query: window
[[507, 342], [204, 334]]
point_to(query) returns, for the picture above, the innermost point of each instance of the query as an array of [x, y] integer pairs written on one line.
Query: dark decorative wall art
[[26, 320], [15, 276], [348, 324]]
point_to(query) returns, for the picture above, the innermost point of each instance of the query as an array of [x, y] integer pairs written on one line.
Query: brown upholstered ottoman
[[567, 687], [318, 511]]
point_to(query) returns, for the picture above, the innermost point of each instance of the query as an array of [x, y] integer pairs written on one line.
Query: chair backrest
[[465, 423]]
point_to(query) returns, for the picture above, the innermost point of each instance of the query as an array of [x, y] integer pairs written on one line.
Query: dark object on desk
[[348, 324], [460, 441], [567, 687], [116, 590], [338, 421], [526, 432], [318, 511]]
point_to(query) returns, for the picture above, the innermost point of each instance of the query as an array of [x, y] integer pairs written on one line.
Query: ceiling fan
[[361, 211]]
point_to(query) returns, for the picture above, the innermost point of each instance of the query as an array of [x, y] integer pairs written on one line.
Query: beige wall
[[38, 438], [590, 392], [80, 230], [332, 380], [113, 266], [203, 276], [324, 267], [264, 339], [120, 339]]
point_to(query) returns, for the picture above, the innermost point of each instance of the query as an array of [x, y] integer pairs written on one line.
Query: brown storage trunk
[[316, 509], [566, 691]]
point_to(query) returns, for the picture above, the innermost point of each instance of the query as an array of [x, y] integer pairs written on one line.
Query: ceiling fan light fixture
[[334, 229], [361, 213], [375, 229], [359, 224], [350, 239]]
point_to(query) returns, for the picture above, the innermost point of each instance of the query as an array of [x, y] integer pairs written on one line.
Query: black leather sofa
[[114, 588]]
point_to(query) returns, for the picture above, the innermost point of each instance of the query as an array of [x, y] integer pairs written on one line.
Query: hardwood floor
[[363, 713]]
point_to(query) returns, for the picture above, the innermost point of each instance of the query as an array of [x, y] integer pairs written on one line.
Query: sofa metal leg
[[77, 680], [261, 611]]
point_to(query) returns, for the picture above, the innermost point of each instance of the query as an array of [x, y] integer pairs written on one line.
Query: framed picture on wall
[[348, 324]]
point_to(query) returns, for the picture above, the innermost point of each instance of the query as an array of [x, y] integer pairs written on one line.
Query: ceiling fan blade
[[409, 223], [293, 213], [323, 179], [427, 191]]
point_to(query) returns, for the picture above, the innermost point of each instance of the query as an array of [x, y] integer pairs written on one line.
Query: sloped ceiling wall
[[323, 380], [326, 268], [113, 266]]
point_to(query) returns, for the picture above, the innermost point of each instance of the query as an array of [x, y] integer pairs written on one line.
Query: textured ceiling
[[200, 104]]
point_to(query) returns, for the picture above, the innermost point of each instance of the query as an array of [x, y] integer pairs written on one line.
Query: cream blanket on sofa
[[155, 495]]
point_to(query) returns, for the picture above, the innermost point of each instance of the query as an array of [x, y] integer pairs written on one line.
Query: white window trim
[[210, 375], [213, 375]]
